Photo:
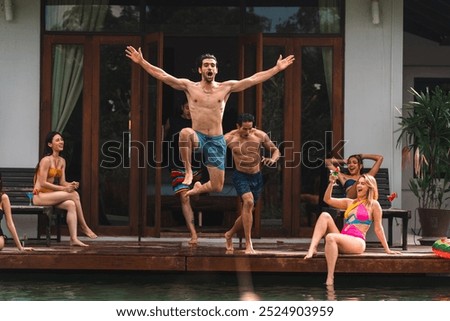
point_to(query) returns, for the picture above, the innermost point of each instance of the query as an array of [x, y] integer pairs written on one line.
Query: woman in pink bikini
[[359, 215], [51, 188]]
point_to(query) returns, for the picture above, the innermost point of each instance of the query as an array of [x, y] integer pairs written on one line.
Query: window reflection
[[298, 19], [199, 17], [75, 17]]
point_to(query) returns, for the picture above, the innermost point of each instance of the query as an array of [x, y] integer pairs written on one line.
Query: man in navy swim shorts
[[245, 143]]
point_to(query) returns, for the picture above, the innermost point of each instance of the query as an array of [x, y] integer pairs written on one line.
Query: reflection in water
[[245, 281], [151, 286], [331, 294]]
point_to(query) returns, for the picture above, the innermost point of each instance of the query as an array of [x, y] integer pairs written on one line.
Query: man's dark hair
[[205, 56], [245, 118]]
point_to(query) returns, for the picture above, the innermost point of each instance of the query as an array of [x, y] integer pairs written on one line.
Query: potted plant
[[425, 130]]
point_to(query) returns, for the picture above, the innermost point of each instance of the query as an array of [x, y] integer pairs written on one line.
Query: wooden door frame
[[255, 40], [292, 188], [132, 227], [90, 150], [154, 231]]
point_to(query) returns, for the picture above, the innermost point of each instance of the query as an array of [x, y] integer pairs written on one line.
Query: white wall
[[373, 84], [422, 58], [19, 85]]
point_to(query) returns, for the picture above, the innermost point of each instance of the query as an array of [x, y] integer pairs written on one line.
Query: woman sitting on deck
[[359, 215], [51, 188], [5, 210]]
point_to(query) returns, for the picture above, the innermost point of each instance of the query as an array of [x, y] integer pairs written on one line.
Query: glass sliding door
[[152, 115], [302, 113], [316, 113], [273, 205], [64, 97], [87, 95], [117, 146], [114, 136]]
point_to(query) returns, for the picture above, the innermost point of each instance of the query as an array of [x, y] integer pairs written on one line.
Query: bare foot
[[194, 190], [193, 241], [187, 178], [249, 296], [77, 242], [250, 250], [329, 282], [310, 254], [229, 242], [88, 232]]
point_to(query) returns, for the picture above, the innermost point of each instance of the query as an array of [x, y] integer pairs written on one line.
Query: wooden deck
[[174, 254]]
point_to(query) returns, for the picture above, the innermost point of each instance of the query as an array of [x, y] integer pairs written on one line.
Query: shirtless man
[[245, 143], [207, 99]]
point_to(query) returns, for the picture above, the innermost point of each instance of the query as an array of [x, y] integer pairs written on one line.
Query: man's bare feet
[[77, 242], [194, 190], [229, 242], [249, 250], [188, 178], [88, 232], [310, 254]]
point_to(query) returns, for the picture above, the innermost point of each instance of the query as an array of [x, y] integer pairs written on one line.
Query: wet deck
[[174, 254]]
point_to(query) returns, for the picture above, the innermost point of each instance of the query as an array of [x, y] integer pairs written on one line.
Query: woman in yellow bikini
[[359, 215], [51, 188]]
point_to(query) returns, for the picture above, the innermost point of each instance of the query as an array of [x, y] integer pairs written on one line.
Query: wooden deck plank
[[176, 255]]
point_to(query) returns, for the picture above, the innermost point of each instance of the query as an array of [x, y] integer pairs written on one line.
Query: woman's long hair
[[48, 140], [372, 192], [47, 149]]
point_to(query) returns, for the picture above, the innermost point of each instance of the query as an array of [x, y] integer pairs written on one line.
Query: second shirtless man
[[245, 144]]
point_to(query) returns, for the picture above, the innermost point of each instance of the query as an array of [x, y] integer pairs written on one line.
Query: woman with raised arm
[[51, 188], [360, 213], [355, 166]]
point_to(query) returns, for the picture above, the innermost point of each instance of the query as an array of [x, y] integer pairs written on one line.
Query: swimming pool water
[[144, 286]]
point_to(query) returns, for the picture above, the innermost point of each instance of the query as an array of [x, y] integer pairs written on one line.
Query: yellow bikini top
[[54, 172]]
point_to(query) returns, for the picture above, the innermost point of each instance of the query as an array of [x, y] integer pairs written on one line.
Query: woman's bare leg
[[80, 216], [60, 197], [325, 224], [72, 222], [331, 255], [335, 243]]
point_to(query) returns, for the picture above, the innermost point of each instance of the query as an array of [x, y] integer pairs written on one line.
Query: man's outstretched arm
[[259, 77], [156, 72]]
